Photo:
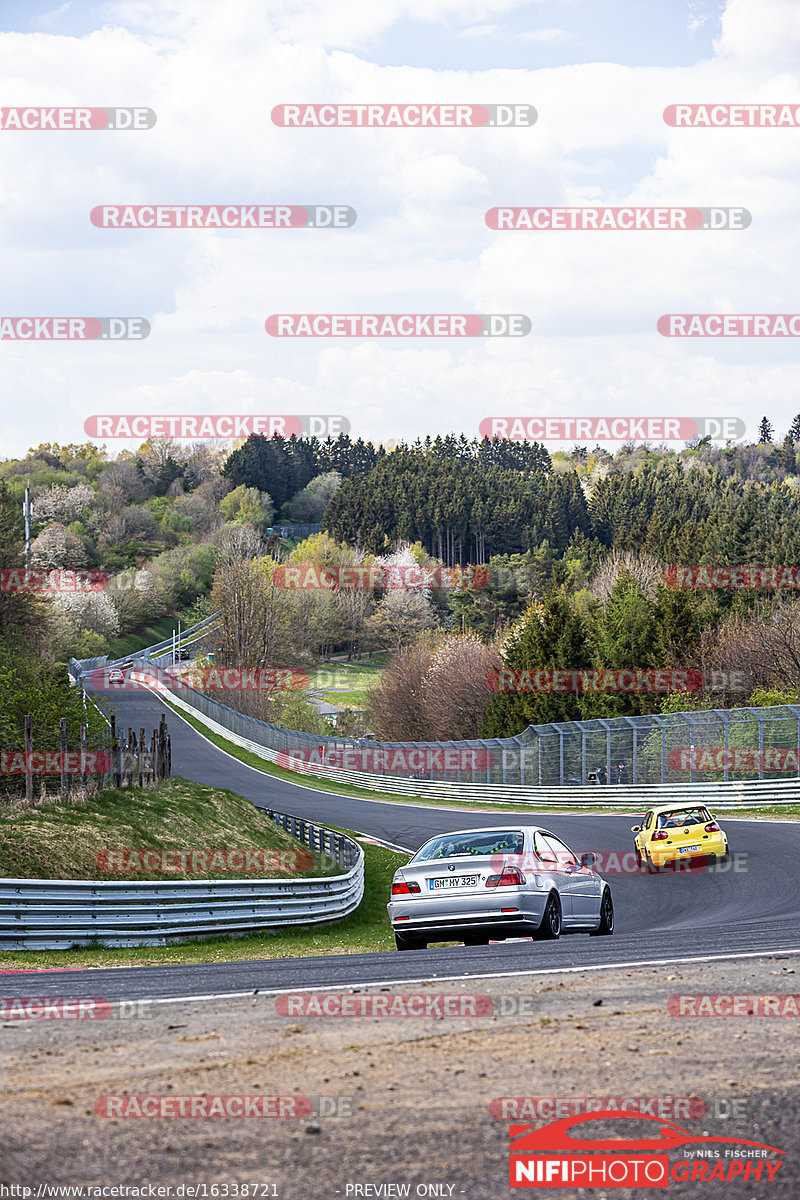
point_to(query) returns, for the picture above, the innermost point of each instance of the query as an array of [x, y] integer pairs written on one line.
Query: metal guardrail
[[83, 666], [56, 914], [635, 797]]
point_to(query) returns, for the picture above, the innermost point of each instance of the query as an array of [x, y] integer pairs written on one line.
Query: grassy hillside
[[54, 840]]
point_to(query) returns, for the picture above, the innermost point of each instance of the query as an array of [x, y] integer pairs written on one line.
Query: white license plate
[[452, 881], [683, 849]]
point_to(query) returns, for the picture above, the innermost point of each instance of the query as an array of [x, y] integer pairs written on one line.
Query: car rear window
[[495, 841], [681, 817]]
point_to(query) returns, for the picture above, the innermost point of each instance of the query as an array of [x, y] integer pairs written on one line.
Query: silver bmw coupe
[[477, 885]]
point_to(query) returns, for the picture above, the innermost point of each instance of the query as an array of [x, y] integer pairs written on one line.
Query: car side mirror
[[636, 829], [588, 860]]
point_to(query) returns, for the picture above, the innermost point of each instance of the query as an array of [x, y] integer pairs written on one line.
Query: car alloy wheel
[[550, 928], [606, 926]]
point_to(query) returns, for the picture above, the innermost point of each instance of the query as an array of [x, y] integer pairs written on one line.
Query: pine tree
[[788, 455], [765, 431], [794, 429]]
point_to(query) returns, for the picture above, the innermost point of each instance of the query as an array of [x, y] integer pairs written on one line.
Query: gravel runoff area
[[396, 1099]]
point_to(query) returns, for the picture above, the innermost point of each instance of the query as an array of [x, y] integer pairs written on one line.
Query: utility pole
[[27, 513]]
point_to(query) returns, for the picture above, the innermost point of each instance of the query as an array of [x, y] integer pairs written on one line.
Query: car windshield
[[454, 845], [681, 817]]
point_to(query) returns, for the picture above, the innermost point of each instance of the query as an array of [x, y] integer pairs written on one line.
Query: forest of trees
[[707, 505], [577, 545]]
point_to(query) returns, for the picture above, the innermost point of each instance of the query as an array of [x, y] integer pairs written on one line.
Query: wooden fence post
[[62, 734], [162, 748], [115, 753], [130, 756], [28, 753], [84, 772]]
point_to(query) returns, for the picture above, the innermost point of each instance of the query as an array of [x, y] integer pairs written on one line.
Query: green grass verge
[[140, 639], [58, 840], [365, 931], [353, 699]]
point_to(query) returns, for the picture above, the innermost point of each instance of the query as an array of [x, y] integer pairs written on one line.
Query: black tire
[[652, 869], [477, 939], [638, 853], [410, 941], [550, 928], [606, 926]]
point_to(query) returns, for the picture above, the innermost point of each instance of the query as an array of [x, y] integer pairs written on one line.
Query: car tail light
[[510, 877], [401, 888], [660, 835], [713, 827]]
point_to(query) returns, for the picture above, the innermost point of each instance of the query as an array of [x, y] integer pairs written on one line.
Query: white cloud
[[214, 72]]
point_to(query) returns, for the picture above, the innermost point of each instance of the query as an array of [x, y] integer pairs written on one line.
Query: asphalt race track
[[718, 913]]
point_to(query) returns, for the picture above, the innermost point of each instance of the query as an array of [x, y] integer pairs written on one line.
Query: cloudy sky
[[599, 72]]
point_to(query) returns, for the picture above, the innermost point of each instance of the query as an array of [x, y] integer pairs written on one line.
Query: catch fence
[[705, 746]]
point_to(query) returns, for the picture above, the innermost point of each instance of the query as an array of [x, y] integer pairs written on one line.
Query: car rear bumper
[[469, 912], [713, 847]]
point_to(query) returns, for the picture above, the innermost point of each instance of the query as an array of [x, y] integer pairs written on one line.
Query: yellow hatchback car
[[672, 832]]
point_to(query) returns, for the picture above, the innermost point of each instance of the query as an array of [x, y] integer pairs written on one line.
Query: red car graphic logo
[[557, 1137]]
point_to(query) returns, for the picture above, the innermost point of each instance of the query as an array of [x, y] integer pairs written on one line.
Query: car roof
[[486, 829], [678, 806]]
